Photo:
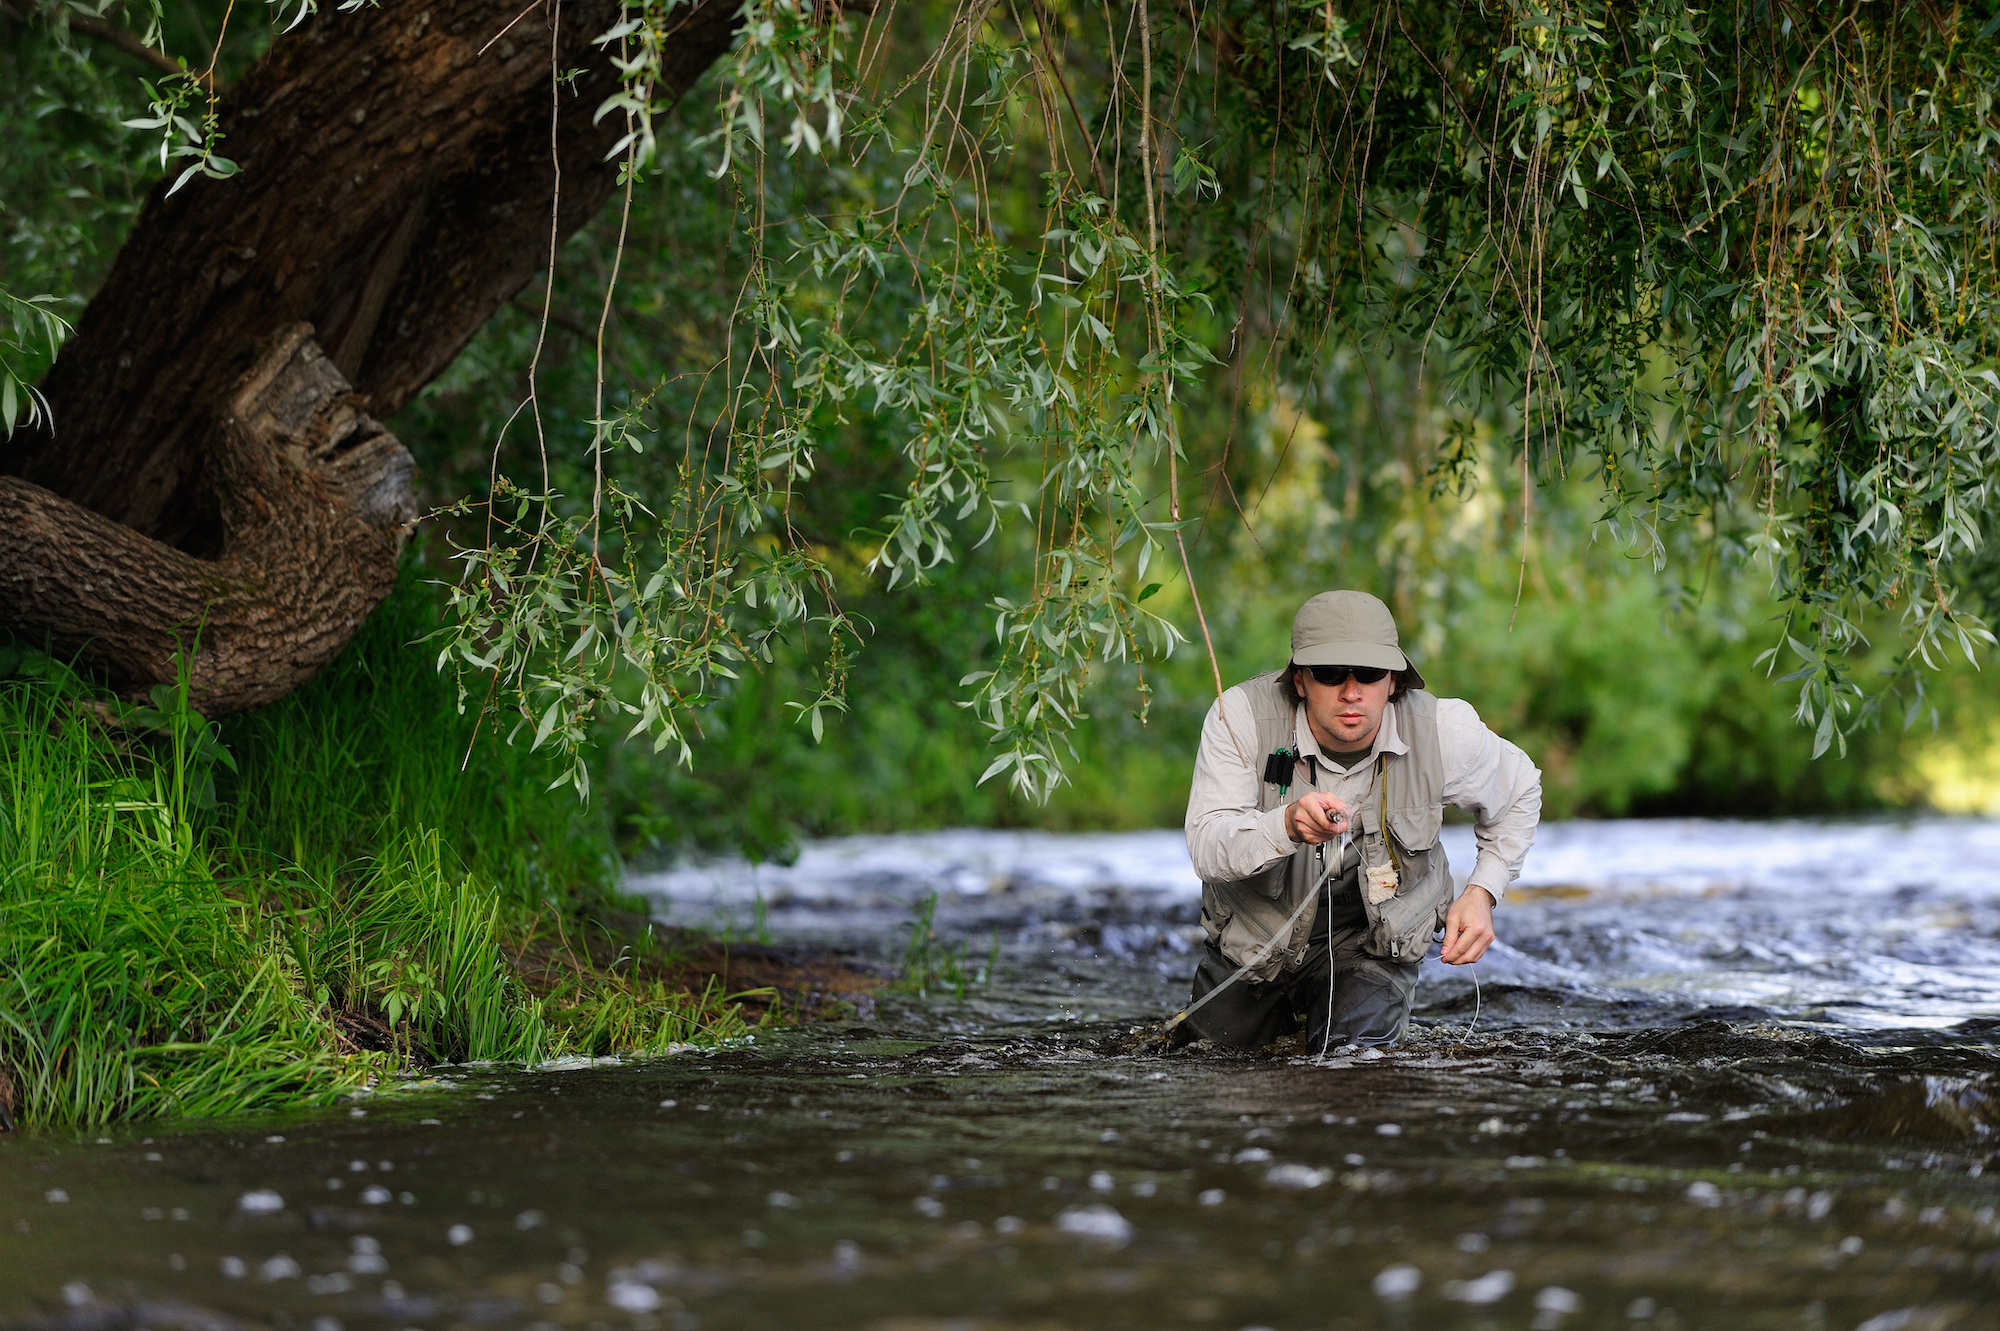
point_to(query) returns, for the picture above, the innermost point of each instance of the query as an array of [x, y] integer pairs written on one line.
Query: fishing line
[[1477, 1000], [1326, 1031], [1283, 931]]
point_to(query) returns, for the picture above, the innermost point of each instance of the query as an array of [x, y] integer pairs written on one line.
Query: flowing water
[[1716, 1075]]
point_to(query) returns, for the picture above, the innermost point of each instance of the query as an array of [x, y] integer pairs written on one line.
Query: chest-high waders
[[1335, 994]]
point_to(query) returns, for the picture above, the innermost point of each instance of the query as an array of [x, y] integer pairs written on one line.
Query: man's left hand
[[1468, 928]]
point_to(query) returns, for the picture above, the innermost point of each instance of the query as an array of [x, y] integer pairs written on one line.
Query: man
[[1343, 740]]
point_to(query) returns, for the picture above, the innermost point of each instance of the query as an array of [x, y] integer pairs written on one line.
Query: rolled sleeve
[[1228, 836], [1498, 784]]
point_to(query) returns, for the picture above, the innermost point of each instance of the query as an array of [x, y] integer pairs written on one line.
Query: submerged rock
[[1932, 1109]]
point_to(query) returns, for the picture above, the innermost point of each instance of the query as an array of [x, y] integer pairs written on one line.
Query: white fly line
[[1282, 931]]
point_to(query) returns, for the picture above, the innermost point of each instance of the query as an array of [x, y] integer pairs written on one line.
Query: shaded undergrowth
[[199, 919]]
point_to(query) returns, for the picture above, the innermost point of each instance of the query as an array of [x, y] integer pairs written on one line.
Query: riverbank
[[201, 919]]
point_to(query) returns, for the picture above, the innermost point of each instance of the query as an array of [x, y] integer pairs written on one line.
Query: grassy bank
[[211, 919]]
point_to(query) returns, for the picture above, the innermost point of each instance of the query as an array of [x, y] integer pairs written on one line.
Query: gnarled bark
[[315, 502], [396, 187]]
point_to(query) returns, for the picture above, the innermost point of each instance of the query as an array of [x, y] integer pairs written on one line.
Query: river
[[1732, 1075]]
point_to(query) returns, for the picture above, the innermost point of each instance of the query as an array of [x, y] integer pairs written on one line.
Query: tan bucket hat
[[1349, 628]]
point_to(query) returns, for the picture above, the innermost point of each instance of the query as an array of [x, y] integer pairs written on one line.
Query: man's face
[[1344, 716]]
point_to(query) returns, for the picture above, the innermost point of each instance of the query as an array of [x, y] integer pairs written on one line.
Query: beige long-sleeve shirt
[[1229, 837]]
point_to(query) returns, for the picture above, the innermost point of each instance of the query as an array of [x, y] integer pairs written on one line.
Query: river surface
[[1715, 1075]]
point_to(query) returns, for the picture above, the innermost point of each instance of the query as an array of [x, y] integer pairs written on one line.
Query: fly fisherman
[[1344, 737]]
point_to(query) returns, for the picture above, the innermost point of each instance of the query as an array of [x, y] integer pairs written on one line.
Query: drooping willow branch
[[1739, 264]]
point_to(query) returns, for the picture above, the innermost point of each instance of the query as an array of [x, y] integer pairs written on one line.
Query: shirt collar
[[1388, 739]]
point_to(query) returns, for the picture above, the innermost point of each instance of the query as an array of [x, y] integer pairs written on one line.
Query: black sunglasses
[[1334, 676]]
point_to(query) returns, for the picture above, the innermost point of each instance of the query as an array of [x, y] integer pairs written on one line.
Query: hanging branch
[[1722, 260]]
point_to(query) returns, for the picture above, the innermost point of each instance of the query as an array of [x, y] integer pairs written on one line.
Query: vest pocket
[[1216, 912], [1268, 882], [1405, 922], [1416, 829]]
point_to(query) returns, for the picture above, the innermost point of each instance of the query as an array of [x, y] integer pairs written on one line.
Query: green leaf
[[548, 725]]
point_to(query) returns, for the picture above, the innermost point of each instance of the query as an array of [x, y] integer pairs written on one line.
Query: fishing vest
[[1406, 885]]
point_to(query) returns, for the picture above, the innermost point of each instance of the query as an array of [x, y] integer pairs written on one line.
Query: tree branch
[[317, 500], [118, 35]]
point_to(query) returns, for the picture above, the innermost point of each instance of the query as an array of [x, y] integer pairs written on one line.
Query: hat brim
[[1352, 654]]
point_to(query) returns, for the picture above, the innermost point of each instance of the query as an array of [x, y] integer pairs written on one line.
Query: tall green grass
[[375, 750], [201, 920], [420, 946], [131, 983], [930, 963]]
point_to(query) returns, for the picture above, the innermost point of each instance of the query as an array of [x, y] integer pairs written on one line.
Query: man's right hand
[[1315, 818]]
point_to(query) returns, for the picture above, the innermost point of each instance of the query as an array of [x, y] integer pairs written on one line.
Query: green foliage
[[1598, 690], [33, 332], [72, 179], [1627, 710], [606, 1016], [420, 944], [74, 174], [135, 985], [194, 918], [374, 751], [905, 755], [68, 188], [1772, 295], [1731, 266], [929, 963], [1488, 281]]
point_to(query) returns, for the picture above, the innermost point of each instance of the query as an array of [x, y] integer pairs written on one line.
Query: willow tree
[[204, 468], [1737, 264]]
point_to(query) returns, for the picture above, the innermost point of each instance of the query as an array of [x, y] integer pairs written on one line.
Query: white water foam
[[1960, 855], [1861, 922]]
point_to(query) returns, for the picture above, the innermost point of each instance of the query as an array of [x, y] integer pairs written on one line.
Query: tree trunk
[[396, 187]]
